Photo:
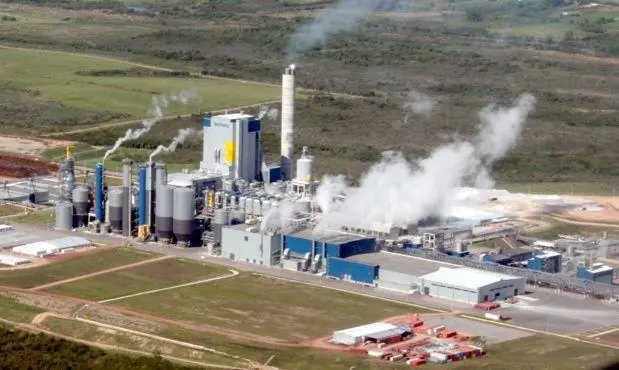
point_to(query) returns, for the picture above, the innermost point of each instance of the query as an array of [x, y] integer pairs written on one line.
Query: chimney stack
[[287, 144]]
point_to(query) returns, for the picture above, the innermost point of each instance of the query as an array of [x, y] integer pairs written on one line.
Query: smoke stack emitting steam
[[176, 141], [399, 192], [287, 139], [155, 114]]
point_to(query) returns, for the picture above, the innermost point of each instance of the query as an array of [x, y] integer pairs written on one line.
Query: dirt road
[[123, 267], [35, 329], [104, 125], [233, 273], [584, 223]]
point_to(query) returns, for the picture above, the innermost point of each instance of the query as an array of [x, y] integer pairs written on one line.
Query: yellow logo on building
[[229, 151]]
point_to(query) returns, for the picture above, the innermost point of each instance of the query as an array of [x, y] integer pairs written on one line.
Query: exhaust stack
[[287, 144]]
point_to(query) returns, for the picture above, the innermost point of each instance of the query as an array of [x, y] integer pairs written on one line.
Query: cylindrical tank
[[161, 174], [226, 200], [266, 206], [127, 172], [257, 207], [164, 213], [249, 206], [150, 194], [115, 198], [99, 201], [221, 217], [142, 210], [303, 205], [183, 215], [274, 203], [80, 206], [242, 204], [305, 166], [64, 216]]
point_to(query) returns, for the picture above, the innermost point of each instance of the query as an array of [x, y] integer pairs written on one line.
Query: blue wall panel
[[275, 174], [297, 245], [355, 247], [142, 196], [353, 270], [253, 126], [206, 122]]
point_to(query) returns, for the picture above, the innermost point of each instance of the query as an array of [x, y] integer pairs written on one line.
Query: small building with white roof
[[50, 247], [357, 335], [471, 285]]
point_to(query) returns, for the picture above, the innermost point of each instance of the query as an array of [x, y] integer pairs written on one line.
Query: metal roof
[[601, 269], [367, 330], [400, 330], [334, 237], [401, 263], [466, 277], [231, 116], [52, 246]]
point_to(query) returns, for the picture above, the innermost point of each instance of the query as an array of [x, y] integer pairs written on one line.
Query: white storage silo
[[183, 215]]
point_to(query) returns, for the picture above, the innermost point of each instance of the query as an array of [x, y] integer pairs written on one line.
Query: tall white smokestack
[[288, 96]]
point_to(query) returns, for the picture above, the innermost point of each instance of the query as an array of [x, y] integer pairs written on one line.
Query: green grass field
[[559, 227], [563, 188], [613, 336], [46, 216], [15, 311], [268, 306], [54, 76], [9, 209], [142, 278], [80, 265]]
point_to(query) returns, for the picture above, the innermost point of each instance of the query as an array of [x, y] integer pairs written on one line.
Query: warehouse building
[[335, 244], [598, 272], [240, 243], [470, 285], [50, 247], [358, 335], [398, 272], [9, 260]]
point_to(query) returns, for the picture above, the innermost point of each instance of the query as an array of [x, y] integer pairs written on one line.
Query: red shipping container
[[449, 334], [417, 323]]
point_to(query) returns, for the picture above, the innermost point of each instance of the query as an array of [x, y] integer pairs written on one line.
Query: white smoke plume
[[330, 187], [270, 113], [399, 192], [280, 219], [342, 16], [418, 103], [155, 114], [183, 134]]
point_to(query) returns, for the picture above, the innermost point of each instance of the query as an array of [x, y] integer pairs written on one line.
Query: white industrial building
[[9, 260], [470, 285], [240, 244], [232, 146], [49, 247], [357, 335]]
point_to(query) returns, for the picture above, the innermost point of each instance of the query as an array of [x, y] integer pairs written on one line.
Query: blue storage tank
[[352, 270], [142, 196], [99, 201]]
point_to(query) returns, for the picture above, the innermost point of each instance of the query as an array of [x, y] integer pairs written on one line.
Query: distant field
[[268, 306], [563, 188], [142, 278], [53, 76], [80, 265], [15, 311], [613, 337], [559, 227]]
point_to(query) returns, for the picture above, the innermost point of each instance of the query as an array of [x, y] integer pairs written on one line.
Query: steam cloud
[[183, 134], [280, 219], [342, 16], [399, 192], [155, 114], [270, 113], [418, 103]]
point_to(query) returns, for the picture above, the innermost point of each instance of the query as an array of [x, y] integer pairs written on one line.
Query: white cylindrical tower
[[287, 146], [305, 166]]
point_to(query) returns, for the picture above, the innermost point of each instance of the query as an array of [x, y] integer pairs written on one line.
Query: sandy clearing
[[28, 146]]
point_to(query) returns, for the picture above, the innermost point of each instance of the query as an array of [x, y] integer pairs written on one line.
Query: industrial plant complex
[[238, 209]]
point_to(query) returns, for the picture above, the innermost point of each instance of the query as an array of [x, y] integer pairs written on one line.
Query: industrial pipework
[[99, 201], [287, 139]]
